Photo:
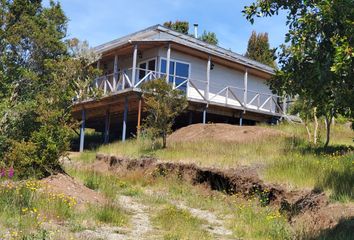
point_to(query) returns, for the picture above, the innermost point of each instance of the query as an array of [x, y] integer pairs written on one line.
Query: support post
[[125, 116], [241, 118], [168, 60], [115, 73], [98, 64], [135, 56], [204, 115], [284, 105], [206, 94], [246, 88], [106, 127], [138, 128], [82, 130], [190, 120]]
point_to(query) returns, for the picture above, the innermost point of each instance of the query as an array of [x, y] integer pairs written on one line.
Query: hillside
[[212, 182]]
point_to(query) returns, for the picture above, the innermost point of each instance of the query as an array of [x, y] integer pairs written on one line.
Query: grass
[[286, 159], [179, 224], [111, 213], [25, 208]]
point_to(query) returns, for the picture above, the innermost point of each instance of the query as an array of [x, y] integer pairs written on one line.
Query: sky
[[100, 21]]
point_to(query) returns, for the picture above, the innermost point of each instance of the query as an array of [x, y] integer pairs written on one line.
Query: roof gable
[[161, 33]]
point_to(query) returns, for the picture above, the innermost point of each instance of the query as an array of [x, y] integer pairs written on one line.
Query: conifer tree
[[258, 49]]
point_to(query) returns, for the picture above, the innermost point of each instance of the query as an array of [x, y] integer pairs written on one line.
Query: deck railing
[[195, 89]]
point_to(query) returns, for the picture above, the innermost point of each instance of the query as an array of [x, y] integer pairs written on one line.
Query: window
[[179, 73], [146, 66]]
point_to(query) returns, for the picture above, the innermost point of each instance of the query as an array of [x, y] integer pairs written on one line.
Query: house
[[221, 86]]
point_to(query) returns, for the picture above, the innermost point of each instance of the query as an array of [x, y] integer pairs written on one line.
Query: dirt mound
[[310, 208], [65, 184], [222, 132]]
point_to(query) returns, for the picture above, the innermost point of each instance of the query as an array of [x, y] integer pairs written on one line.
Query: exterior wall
[[226, 85], [220, 78]]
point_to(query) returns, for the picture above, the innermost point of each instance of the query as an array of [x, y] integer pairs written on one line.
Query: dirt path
[[140, 220], [215, 225]]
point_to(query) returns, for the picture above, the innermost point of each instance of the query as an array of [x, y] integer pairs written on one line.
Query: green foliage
[[179, 26], [209, 37], [39, 76], [258, 49], [162, 105], [183, 27], [317, 63], [111, 213]]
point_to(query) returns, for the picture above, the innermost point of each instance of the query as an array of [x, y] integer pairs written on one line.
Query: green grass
[[179, 224], [110, 213], [24, 208], [287, 159], [246, 219]]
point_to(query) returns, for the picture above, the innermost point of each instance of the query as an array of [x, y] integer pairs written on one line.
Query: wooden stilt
[[204, 115], [106, 129], [125, 116], [82, 130], [138, 128]]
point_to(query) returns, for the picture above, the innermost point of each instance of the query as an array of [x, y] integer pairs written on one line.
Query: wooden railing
[[195, 89]]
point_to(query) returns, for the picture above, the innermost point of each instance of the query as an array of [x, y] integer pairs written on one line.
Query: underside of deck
[[106, 115]]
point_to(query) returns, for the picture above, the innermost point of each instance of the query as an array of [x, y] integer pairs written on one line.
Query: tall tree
[[318, 63], [37, 74], [258, 49], [209, 37]]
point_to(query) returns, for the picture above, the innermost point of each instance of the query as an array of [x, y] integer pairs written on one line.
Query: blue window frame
[[179, 73]]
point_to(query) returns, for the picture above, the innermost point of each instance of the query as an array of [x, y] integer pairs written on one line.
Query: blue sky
[[105, 20]]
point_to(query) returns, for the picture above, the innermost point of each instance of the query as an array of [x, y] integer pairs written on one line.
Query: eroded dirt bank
[[307, 209]]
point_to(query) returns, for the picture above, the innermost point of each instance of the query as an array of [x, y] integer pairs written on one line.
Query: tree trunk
[[164, 140], [308, 132], [328, 128], [315, 130]]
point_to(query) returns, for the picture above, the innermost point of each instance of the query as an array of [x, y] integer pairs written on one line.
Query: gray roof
[[149, 34]]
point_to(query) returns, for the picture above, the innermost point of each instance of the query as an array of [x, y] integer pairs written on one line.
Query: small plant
[[92, 181], [111, 213], [162, 105]]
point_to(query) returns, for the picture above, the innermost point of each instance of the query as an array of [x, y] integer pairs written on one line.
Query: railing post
[[135, 55], [105, 85], [125, 116], [123, 80], [227, 95], [82, 130], [115, 73], [206, 94], [246, 88], [168, 60], [271, 103], [259, 101]]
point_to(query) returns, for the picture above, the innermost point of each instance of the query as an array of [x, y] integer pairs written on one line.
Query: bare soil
[[309, 208], [62, 183], [222, 132]]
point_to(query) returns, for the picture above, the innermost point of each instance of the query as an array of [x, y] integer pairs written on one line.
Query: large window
[[144, 67], [179, 73]]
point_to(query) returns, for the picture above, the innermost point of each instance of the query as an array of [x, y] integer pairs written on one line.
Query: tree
[[183, 27], [37, 77], [162, 105], [318, 62], [258, 49], [179, 26], [209, 37]]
